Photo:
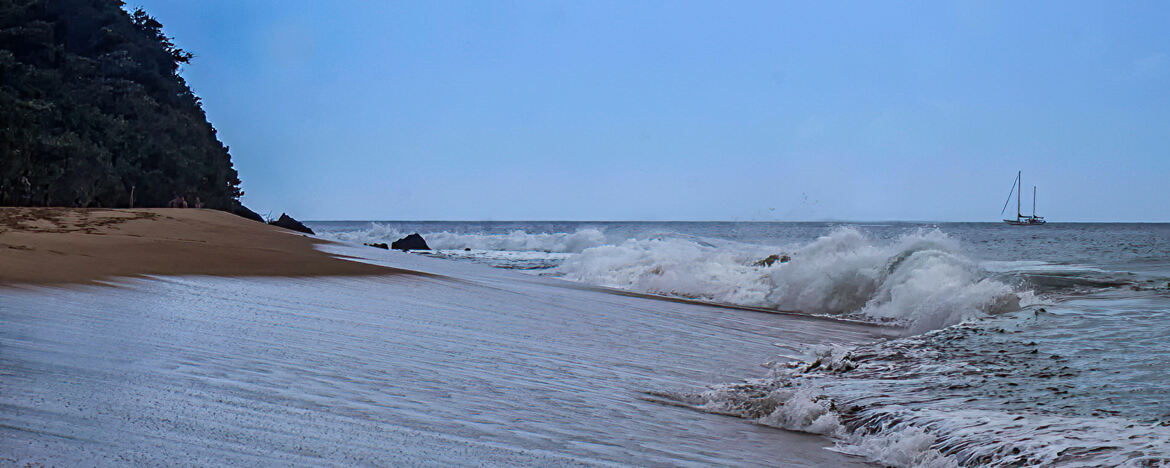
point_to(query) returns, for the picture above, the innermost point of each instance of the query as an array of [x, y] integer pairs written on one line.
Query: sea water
[[1031, 345], [466, 366]]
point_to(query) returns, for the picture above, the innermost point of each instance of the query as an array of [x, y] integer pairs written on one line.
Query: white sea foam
[[803, 410], [908, 447], [515, 241], [884, 402], [919, 279], [671, 266], [800, 406], [509, 259], [981, 437]]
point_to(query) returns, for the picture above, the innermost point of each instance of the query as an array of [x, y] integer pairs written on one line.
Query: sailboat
[[1022, 220]]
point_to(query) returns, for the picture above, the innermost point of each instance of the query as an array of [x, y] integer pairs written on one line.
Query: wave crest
[[919, 279]]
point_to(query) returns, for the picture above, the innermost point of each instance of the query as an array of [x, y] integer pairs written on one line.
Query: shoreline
[[57, 246], [465, 365]]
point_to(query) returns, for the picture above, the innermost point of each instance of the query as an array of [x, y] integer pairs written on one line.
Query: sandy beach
[[67, 245]]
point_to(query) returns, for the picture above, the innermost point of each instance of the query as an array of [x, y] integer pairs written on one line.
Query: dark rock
[[767, 262], [467, 249], [288, 222], [380, 245], [411, 242], [243, 212]]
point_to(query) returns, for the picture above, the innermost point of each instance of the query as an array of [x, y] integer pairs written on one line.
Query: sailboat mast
[[1021, 220], [1009, 198], [1019, 180]]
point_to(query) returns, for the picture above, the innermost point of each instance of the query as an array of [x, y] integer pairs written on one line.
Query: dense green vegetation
[[93, 112]]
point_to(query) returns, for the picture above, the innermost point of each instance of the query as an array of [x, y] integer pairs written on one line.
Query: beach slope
[[72, 245]]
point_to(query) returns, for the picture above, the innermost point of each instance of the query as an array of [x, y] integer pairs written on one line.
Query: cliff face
[[93, 112]]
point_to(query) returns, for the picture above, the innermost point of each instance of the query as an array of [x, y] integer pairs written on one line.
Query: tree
[[92, 109]]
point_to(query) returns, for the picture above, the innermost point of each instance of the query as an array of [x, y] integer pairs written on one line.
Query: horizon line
[[700, 221]]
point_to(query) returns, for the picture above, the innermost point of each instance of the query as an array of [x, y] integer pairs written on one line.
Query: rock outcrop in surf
[[287, 222], [411, 242]]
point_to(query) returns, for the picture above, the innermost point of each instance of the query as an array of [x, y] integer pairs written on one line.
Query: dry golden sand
[[71, 245]]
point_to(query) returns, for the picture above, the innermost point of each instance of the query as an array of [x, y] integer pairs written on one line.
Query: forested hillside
[[93, 112]]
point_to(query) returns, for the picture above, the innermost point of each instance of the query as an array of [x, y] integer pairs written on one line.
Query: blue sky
[[686, 110]]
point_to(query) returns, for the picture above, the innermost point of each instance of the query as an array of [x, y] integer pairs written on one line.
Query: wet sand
[[246, 345], [384, 371], [70, 245]]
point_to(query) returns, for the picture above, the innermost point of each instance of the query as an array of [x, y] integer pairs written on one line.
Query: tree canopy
[[93, 111]]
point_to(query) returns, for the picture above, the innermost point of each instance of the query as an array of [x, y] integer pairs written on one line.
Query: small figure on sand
[[178, 202], [26, 196]]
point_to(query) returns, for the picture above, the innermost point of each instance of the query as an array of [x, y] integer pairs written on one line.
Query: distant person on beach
[[26, 198], [178, 202], [198, 203]]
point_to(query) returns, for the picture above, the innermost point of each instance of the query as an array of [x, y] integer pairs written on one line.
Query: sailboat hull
[[1025, 222]]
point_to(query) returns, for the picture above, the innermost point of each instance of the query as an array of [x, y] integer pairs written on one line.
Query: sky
[[674, 110]]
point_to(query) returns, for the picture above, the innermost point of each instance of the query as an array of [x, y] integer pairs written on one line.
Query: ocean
[[1010, 346], [466, 365]]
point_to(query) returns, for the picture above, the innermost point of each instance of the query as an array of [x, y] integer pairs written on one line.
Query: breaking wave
[[671, 266], [1069, 388], [919, 279], [513, 241], [943, 399]]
